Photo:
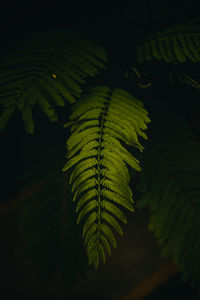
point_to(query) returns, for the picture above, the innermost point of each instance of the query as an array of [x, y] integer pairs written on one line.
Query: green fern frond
[[47, 220], [185, 79], [189, 81], [175, 45], [102, 121], [170, 185], [46, 71]]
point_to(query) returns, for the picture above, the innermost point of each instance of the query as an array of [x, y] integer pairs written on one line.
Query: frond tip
[[101, 123]]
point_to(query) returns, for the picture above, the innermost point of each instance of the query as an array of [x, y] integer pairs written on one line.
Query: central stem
[[102, 120]]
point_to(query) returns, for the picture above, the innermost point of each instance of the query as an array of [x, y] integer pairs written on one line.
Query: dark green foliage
[[47, 70], [185, 79], [102, 122], [169, 184], [174, 45], [48, 228]]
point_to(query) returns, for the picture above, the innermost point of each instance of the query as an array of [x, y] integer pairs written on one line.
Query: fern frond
[[185, 79], [47, 220], [175, 45], [101, 123], [46, 71], [189, 81], [170, 185]]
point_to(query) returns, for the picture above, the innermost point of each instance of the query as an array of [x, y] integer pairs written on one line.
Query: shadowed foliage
[[47, 70], [47, 220], [169, 184]]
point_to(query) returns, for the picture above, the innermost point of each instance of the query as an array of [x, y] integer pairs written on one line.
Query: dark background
[[102, 20], [119, 28]]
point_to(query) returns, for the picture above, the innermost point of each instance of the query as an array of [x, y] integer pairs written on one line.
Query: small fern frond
[[185, 79], [46, 71], [174, 45], [101, 123], [189, 81], [169, 183]]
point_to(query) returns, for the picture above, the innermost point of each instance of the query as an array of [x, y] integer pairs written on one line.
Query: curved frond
[[175, 45], [169, 183], [46, 71], [102, 122]]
